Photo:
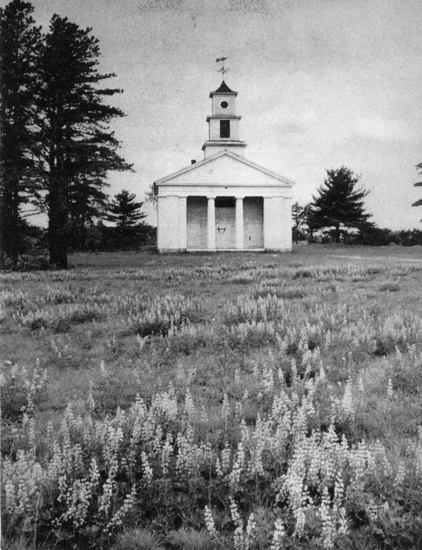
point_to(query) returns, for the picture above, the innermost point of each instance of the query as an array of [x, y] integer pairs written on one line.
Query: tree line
[[56, 145], [337, 214]]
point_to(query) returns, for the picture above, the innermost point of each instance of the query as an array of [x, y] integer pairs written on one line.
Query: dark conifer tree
[[19, 48], [418, 184], [78, 149], [297, 211], [300, 221], [124, 211], [87, 204], [339, 202]]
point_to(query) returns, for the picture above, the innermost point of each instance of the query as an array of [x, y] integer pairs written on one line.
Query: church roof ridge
[[223, 89]]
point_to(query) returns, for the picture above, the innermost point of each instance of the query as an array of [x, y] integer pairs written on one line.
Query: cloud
[[193, 6], [250, 6], [161, 6], [383, 129]]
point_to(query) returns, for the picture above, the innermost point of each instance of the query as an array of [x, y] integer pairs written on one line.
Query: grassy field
[[245, 401]]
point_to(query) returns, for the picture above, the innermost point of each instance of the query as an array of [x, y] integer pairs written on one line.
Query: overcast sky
[[322, 83]]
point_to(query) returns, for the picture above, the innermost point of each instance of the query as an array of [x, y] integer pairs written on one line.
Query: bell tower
[[223, 123]]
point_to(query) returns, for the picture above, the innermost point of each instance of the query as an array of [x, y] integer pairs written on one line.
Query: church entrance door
[[225, 223]]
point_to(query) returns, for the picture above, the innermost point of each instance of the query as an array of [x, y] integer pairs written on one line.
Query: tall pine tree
[[19, 48], [339, 203], [87, 204], [77, 147]]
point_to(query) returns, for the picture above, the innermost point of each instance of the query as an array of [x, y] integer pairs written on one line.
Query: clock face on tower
[[224, 104]]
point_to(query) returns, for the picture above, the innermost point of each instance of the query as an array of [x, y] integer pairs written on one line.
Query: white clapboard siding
[[197, 222], [253, 218]]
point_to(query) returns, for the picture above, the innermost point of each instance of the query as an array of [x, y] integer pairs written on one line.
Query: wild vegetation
[[197, 402]]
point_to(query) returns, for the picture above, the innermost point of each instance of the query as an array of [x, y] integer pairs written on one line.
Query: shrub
[[21, 391], [137, 538], [412, 237], [190, 539], [389, 286], [374, 236], [110, 392], [165, 313], [35, 260]]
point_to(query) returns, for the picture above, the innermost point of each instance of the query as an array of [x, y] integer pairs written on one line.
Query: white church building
[[223, 202]]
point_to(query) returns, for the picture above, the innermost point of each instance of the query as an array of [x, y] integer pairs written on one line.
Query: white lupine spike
[[389, 389]]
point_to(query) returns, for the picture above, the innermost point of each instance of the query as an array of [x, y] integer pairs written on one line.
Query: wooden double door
[[225, 223]]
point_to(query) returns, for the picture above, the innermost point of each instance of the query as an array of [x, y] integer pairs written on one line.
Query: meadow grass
[[245, 401]]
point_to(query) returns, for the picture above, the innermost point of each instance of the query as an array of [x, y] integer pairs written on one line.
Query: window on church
[[224, 128]]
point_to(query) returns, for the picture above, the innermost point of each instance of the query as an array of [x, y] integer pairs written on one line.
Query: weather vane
[[223, 68]]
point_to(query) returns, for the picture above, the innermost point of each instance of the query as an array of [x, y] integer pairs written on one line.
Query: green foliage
[[61, 320], [19, 47], [124, 211], [128, 238], [190, 539], [55, 142], [412, 237], [110, 393], [418, 184], [300, 222], [37, 260], [137, 539], [21, 391], [165, 314], [374, 236], [77, 148], [338, 203], [32, 254]]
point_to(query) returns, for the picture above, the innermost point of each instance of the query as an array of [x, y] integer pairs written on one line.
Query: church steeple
[[223, 123]]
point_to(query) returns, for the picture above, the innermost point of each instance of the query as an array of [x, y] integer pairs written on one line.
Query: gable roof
[[212, 159]]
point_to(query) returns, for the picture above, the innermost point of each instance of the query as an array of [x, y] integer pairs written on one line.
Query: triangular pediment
[[225, 168]]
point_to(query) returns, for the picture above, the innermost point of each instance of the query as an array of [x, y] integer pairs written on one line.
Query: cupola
[[223, 123]]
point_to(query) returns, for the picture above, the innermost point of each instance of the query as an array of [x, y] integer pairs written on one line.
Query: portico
[[226, 225]]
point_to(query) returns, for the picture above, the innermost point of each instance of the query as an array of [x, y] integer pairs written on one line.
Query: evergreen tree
[[339, 202], [297, 211], [19, 47], [302, 220], [77, 148], [418, 184], [87, 203], [124, 211], [309, 220]]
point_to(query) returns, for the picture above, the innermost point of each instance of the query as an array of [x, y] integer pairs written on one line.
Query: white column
[[211, 223], [183, 223], [276, 227], [239, 223]]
